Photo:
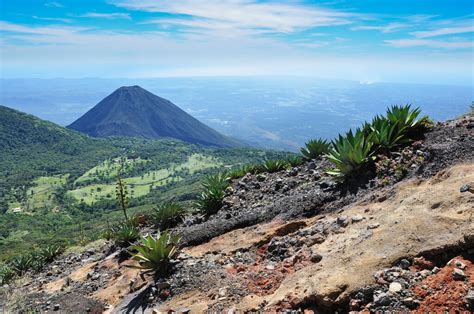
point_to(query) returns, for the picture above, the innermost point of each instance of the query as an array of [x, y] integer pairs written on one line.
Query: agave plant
[[210, 200], [49, 253], [349, 153], [168, 214], [37, 262], [124, 233], [384, 134], [407, 118], [154, 253], [294, 160], [272, 165], [6, 274], [315, 148], [21, 264]]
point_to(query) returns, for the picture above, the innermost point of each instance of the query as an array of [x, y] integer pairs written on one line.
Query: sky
[[421, 41]]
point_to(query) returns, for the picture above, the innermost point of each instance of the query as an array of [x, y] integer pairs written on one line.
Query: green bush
[[349, 153], [154, 253], [275, 165], [210, 200], [167, 215], [21, 264], [6, 275], [384, 134], [406, 118], [50, 252], [123, 233], [295, 161], [315, 148]]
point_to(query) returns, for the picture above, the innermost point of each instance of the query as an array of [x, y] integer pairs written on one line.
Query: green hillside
[[58, 186]]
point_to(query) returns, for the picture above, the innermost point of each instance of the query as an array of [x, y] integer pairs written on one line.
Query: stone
[[382, 299], [373, 226], [404, 264], [470, 299], [56, 307], [342, 221], [466, 188], [357, 218], [222, 292], [261, 177], [395, 287], [458, 274], [316, 258], [460, 265], [315, 239]]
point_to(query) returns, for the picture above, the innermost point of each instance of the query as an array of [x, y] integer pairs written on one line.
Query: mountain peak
[[133, 111]]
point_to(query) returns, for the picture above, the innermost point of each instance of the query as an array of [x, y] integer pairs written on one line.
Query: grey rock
[[465, 188], [470, 299], [458, 274], [342, 221], [404, 264], [373, 226], [316, 258], [357, 218], [383, 299]]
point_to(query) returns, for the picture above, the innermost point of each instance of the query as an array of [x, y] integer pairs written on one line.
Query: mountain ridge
[[135, 112]]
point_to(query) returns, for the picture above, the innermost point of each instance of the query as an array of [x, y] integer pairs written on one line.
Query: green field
[[143, 184], [41, 194], [109, 169]]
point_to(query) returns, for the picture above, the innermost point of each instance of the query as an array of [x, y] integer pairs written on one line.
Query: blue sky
[[365, 40]]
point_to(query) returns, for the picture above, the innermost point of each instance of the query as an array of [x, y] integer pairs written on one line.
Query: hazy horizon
[[276, 112]]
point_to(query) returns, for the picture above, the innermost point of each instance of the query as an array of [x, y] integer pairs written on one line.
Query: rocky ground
[[400, 239]]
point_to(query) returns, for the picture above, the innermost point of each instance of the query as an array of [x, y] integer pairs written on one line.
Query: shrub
[[295, 161], [408, 120], [384, 134], [315, 148], [123, 233], [349, 153], [49, 253], [154, 253], [21, 264], [210, 200], [167, 215], [274, 165], [6, 275]]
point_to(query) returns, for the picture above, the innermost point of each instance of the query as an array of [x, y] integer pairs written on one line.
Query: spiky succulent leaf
[[315, 148]]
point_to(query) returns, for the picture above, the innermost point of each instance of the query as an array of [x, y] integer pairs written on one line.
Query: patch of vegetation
[[275, 165], [315, 148], [352, 152], [349, 153], [154, 253], [167, 215], [6, 275], [123, 233], [210, 200]]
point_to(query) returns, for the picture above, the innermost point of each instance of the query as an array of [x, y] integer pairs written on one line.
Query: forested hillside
[[58, 186]]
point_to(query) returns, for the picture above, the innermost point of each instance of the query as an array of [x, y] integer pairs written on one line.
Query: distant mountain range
[[134, 112]]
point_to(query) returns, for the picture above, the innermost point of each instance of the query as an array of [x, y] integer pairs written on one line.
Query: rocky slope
[[297, 239]]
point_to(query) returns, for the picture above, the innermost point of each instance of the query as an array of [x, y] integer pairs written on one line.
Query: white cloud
[[109, 16], [389, 28], [58, 19], [401, 43], [445, 31], [245, 14], [60, 32]]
